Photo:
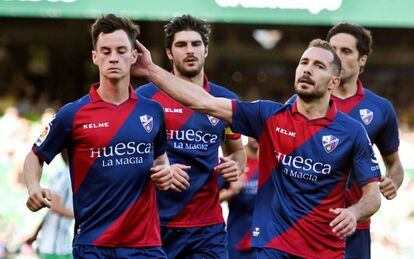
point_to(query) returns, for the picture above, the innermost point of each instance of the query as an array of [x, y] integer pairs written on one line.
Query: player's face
[[314, 74], [187, 53], [346, 49], [114, 55]]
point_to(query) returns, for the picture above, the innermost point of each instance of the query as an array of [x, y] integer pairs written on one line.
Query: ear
[[169, 54], [94, 57], [334, 82], [206, 52], [362, 61], [134, 56]]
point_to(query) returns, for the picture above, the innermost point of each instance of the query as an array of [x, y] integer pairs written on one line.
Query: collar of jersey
[[329, 117], [94, 96], [206, 84], [360, 93]]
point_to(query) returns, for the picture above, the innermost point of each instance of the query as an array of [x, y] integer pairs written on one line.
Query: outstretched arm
[[183, 91]]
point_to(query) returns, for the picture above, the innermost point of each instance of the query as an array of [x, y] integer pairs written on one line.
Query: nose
[[189, 50], [114, 57]]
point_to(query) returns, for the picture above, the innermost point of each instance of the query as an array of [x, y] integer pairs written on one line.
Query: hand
[[162, 177], [345, 222], [140, 68], [39, 198], [181, 179], [228, 169], [388, 188]]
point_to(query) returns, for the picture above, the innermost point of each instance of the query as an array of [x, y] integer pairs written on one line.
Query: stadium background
[[255, 45]]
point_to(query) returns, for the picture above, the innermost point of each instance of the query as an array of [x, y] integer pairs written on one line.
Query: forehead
[[318, 54], [343, 40], [118, 38], [187, 36]]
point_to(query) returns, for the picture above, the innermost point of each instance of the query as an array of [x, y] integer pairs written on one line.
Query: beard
[[309, 95], [190, 73]]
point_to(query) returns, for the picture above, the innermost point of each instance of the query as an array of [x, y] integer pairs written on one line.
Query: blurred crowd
[[392, 226]]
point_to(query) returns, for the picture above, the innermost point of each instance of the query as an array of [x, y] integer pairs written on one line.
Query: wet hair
[[363, 36], [323, 44], [109, 23], [186, 23]]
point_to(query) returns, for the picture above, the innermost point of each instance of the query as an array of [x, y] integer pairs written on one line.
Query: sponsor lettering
[[191, 139], [173, 110], [96, 125], [286, 132]]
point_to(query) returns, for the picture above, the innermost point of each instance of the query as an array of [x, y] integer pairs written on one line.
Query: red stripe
[[86, 139], [246, 242]]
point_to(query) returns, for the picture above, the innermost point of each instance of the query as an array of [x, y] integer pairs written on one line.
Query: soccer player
[[241, 198], [353, 45], [116, 144], [307, 151], [192, 225]]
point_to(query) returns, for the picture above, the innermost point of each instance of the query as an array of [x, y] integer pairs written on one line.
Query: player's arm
[[394, 176], [346, 219], [234, 160], [161, 172], [233, 189], [32, 171], [57, 207], [183, 91]]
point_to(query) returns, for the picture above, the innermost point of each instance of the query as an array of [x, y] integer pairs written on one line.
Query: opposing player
[[307, 151], [241, 197], [192, 224], [353, 45], [116, 143]]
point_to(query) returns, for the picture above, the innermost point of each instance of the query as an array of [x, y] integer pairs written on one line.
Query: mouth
[[190, 60], [306, 80]]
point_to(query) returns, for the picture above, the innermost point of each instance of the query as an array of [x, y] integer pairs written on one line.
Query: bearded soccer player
[[192, 225], [241, 197], [353, 45], [307, 151], [116, 144]]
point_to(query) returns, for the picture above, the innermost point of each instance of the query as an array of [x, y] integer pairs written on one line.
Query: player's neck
[[115, 92], [346, 88], [198, 79], [317, 108]]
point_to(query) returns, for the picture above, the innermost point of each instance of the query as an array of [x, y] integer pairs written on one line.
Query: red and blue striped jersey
[[303, 169], [193, 139], [380, 121], [111, 149], [241, 210]]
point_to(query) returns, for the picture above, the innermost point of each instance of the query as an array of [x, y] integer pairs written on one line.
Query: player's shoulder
[[70, 109], [377, 100], [221, 91], [147, 90], [148, 103], [348, 123]]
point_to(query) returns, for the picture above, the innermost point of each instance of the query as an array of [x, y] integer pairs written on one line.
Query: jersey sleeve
[[365, 165], [230, 134], [160, 141], [147, 90], [388, 140], [54, 137], [249, 118]]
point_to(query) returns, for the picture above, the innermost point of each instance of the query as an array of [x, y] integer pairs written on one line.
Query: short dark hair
[[323, 44], [109, 23], [362, 36], [186, 23]]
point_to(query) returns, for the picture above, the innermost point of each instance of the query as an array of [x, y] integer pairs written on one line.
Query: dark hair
[[362, 36], [109, 23], [186, 23], [323, 44]]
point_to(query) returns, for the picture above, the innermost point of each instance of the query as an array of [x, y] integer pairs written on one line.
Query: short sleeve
[[54, 137], [388, 140], [365, 166]]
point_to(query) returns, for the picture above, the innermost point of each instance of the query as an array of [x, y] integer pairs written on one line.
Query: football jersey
[[380, 121], [303, 169], [111, 150], [193, 139], [241, 209]]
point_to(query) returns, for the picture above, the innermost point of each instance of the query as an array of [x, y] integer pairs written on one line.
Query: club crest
[[213, 120], [147, 122], [366, 116], [329, 143]]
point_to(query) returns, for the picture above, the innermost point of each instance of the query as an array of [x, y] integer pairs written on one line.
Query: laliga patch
[[43, 136], [329, 143], [147, 122], [366, 116], [213, 120]]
